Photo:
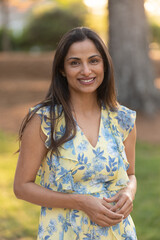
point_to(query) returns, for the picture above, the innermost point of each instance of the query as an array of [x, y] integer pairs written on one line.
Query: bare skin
[[87, 112]]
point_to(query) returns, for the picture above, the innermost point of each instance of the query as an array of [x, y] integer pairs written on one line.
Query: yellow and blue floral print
[[99, 171]]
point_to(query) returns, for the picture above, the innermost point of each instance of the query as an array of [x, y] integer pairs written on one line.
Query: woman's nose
[[86, 70]]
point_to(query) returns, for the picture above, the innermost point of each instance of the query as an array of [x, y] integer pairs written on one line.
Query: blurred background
[[29, 33]]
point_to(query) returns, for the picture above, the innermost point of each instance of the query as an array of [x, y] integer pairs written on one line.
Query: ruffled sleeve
[[125, 120], [44, 114], [122, 122]]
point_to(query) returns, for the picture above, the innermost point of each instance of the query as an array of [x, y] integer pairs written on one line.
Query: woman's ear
[[63, 73]]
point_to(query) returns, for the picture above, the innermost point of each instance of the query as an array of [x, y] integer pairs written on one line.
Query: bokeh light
[[95, 3], [153, 7]]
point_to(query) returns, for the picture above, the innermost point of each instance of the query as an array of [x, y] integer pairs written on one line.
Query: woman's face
[[83, 67]]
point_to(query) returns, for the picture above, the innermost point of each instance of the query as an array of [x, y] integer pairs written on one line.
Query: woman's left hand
[[123, 202]]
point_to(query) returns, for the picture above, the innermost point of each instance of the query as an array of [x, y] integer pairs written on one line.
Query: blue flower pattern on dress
[[82, 146], [41, 231], [83, 169], [52, 227]]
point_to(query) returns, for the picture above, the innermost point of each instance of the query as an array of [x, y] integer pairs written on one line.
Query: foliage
[[68, 2], [19, 220], [155, 32], [154, 25], [45, 30], [15, 41]]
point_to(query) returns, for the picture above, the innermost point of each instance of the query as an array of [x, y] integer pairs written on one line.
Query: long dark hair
[[58, 93]]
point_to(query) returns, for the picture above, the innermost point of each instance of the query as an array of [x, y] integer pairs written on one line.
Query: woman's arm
[[130, 144], [32, 152], [124, 198]]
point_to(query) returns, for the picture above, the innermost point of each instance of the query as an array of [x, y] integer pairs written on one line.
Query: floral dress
[[99, 171]]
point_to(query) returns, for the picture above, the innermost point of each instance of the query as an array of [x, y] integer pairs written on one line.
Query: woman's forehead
[[81, 48]]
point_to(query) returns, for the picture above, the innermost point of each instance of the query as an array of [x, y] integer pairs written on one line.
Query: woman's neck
[[84, 104]]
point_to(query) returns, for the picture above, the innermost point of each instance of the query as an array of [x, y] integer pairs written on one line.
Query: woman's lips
[[86, 80]]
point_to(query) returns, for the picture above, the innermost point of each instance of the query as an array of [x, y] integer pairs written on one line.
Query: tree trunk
[[128, 46]]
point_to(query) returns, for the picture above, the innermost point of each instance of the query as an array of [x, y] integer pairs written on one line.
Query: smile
[[90, 80]]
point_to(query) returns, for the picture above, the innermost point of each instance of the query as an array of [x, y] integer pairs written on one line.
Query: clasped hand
[[123, 202], [102, 211]]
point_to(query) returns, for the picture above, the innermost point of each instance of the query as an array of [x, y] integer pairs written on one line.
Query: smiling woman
[[83, 141], [83, 65]]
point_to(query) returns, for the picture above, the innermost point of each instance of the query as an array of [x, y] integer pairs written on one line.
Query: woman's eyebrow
[[73, 58], [96, 55], [76, 58]]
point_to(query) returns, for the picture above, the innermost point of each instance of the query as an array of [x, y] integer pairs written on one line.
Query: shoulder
[[124, 120], [32, 133], [46, 110], [44, 113], [122, 115], [122, 112], [40, 110]]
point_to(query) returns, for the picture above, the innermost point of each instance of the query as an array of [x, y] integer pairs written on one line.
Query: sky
[[19, 9]]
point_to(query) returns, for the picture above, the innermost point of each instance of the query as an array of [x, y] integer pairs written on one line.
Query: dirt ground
[[25, 78]]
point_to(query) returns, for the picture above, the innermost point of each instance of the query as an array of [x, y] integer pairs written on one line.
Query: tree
[[45, 30], [128, 46]]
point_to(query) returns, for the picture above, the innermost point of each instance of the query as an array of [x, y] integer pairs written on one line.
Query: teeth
[[89, 80]]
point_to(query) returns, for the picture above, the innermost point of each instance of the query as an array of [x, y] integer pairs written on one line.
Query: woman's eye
[[74, 63], [94, 61]]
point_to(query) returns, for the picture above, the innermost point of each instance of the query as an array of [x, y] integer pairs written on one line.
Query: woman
[[77, 139]]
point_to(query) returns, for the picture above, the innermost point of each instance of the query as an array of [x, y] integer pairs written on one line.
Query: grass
[[19, 220], [146, 207]]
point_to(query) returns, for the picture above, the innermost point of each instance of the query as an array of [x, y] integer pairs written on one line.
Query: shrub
[[45, 31]]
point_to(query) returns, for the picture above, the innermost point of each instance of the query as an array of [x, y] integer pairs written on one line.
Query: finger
[[128, 204], [126, 210], [125, 207], [119, 204], [112, 215], [111, 221], [112, 199], [127, 213], [107, 205]]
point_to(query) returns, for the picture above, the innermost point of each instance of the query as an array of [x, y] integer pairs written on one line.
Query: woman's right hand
[[98, 210]]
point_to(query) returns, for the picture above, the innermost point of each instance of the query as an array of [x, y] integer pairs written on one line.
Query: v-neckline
[[82, 133]]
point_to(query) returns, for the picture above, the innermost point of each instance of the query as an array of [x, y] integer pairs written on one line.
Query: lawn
[[146, 212], [19, 220]]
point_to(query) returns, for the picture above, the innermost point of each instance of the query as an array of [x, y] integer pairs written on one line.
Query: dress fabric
[[99, 171]]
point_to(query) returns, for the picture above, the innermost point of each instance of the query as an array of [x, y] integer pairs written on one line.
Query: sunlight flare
[[95, 3], [153, 7], [97, 7]]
